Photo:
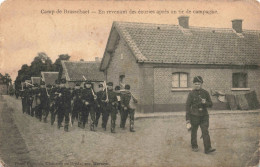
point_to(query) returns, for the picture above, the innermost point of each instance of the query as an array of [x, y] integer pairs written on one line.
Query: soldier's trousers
[[84, 115], [203, 122], [99, 110], [63, 112], [124, 115], [46, 112], [113, 112], [24, 105], [53, 113], [37, 111], [75, 112]]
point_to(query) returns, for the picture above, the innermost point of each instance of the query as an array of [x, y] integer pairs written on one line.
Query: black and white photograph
[[161, 83]]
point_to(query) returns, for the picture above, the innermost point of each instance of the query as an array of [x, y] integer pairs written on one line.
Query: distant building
[[49, 77], [159, 61], [35, 80], [76, 71]]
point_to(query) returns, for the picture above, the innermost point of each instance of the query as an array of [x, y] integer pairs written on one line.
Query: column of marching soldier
[[78, 103]]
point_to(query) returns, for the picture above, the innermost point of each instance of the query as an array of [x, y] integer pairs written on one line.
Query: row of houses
[[159, 61]]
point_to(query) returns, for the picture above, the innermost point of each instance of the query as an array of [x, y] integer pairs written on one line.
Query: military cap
[[42, 83], [127, 87], [88, 82], [63, 80], [100, 86], [117, 88], [57, 82], [110, 84], [198, 79]]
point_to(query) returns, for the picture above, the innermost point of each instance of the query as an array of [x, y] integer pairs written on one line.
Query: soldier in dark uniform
[[88, 105], [48, 101], [128, 103], [64, 105], [99, 107], [76, 104], [23, 98], [110, 107], [54, 99], [43, 100], [36, 100], [30, 100], [119, 107], [197, 115]]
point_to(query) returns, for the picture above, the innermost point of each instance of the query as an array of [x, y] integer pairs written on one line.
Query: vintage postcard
[[129, 83]]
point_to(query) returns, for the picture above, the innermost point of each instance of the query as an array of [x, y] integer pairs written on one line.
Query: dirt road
[[156, 142]]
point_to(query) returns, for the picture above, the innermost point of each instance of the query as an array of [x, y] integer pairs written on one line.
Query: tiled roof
[[159, 43], [49, 77], [75, 70]]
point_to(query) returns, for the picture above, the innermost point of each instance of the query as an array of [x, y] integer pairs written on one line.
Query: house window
[[239, 80], [179, 80]]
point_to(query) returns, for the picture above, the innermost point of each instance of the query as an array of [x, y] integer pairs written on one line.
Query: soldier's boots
[[132, 128], [79, 124], [96, 123], [66, 128], [210, 150], [113, 130], [104, 127], [195, 149], [45, 120], [92, 128], [83, 126]]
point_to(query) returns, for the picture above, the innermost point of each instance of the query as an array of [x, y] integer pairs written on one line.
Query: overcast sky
[[25, 31]]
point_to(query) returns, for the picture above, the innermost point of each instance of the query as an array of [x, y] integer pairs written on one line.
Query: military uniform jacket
[[36, 97], [23, 95], [87, 96], [194, 104], [112, 99], [64, 100], [126, 98], [99, 97], [76, 95], [43, 97], [30, 96]]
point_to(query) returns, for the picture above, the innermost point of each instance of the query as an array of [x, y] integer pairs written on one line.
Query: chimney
[[237, 25], [184, 21], [97, 59]]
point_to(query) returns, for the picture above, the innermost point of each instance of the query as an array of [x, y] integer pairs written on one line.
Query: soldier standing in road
[[48, 101], [99, 107], [64, 105], [197, 115], [54, 96], [88, 107], [128, 103], [30, 100], [43, 100], [119, 107], [76, 103], [110, 107], [23, 97], [36, 101]]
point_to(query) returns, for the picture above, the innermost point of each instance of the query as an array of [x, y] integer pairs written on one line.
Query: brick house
[[49, 77], [159, 61], [74, 71]]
